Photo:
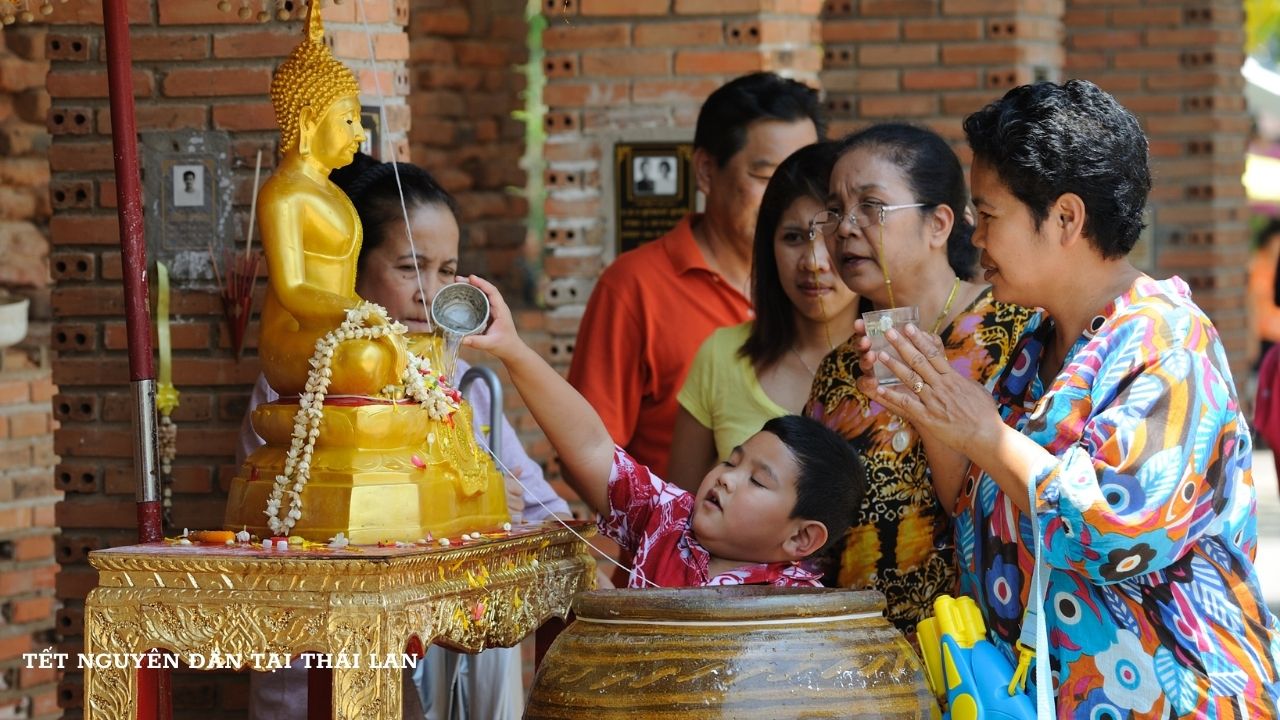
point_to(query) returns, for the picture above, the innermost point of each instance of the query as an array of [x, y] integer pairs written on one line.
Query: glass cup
[[878, 323]]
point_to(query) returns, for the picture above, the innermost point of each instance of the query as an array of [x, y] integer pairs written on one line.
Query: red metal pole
[[137, 314], [153, 684]]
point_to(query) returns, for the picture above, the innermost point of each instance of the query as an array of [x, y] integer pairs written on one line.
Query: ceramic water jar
[[729, 652]]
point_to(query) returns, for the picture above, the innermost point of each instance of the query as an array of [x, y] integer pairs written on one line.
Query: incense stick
[[253, 205]]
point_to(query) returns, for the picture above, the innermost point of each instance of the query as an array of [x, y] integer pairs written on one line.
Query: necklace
[[803, 364], [942, 316]]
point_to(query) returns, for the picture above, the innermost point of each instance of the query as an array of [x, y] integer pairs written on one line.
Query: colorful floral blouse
[[1148, 514], [900, 542]]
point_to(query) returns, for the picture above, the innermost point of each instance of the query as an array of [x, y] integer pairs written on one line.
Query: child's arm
[[570, 423]]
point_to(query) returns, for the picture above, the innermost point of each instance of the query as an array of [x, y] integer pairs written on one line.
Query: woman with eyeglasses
[[746, 374], [895, 222]]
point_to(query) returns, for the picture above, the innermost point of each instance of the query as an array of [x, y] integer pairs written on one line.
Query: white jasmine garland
[[420, 384]]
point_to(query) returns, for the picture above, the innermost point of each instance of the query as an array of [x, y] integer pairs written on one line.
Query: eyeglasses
[[864, 214]]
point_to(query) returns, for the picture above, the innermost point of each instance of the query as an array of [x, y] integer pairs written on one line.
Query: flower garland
[[421, 384]]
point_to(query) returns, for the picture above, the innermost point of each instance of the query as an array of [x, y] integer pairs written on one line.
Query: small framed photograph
[[655, 175], [188, 186]]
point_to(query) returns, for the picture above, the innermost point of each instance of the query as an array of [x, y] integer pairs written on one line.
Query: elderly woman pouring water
[[1114, 451]]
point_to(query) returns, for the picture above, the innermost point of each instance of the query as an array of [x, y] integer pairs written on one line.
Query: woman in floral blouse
[[1121, 428], [896, 225]]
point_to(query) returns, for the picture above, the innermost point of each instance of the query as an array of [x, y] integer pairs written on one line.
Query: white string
[[632, 571], [388, 148]]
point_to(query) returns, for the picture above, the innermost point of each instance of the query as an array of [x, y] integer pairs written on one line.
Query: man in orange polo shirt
[[653, 306]]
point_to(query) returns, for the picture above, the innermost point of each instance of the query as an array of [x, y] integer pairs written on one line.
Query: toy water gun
[[970, 678]]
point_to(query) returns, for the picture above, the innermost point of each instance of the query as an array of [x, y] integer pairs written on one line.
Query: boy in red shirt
[[779, 498]]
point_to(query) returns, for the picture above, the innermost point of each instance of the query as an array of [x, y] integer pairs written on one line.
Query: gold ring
[[917, 387]]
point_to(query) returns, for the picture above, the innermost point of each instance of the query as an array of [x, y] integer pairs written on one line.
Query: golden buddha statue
[[370, 464], [310, 230]]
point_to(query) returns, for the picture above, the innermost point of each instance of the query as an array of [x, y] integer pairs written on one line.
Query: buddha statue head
[[317, 100]]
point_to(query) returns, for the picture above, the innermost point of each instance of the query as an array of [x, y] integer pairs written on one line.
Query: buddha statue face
[[333, 138]]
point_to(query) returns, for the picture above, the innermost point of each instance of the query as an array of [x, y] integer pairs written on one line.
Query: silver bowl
[[461, 309]]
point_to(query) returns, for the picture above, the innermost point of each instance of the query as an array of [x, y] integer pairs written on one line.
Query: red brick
[[81, 156], [84, 230], [182, 335], [166, 47], [630, 63], [14, 391], [980, 54], [898, 8], [982, 7], [26, 610], [447, 21], [676, 34], [577, 37], [254, 44], [1105, 39], [631, 7], [898, 106], [898, 55], [185, 12], [14, 645], [672, 91], [90, 13], [860, 30], [156, 117], [714, 7], [216, 82], [244, 116], [28, 424], [584, 94], [943, 29], [19, 75], [940, 80], [90, 371], [718, 62], [93, 83]]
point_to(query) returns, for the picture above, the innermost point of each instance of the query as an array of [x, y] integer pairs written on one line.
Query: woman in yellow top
[[896, 223], [746, 374]]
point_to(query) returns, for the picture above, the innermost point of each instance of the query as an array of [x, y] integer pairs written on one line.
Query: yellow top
[[723, 393]]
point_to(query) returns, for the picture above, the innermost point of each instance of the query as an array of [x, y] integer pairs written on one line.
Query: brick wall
[[1176, 65], [27, 537], [466, 79], [932, 62], [195, 68], [27, 492]]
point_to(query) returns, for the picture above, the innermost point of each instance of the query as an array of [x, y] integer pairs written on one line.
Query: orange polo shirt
[[647, 316]]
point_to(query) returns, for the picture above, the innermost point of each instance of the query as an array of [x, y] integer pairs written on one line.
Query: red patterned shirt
[[650, 518]]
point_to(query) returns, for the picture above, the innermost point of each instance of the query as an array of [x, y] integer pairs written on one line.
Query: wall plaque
[[188, 200], [654, 189]]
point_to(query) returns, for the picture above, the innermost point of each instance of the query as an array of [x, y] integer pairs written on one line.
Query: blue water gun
[[970, 678]]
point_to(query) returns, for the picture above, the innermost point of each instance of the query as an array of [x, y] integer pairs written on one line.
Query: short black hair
[[1044, 140], [188, 173], [727, 112], [831, 481], [371, 186], [933, 174], [803, 174]]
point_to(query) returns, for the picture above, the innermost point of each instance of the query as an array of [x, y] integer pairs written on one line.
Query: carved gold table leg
[[110, 693]]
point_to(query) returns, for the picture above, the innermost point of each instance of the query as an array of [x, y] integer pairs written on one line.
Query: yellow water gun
[[969, 676]]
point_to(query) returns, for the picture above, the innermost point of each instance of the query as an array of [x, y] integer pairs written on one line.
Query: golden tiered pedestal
[[364, 481], [363, 603]]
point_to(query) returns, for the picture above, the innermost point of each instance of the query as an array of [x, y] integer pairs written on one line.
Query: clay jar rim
[[732, 602]]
